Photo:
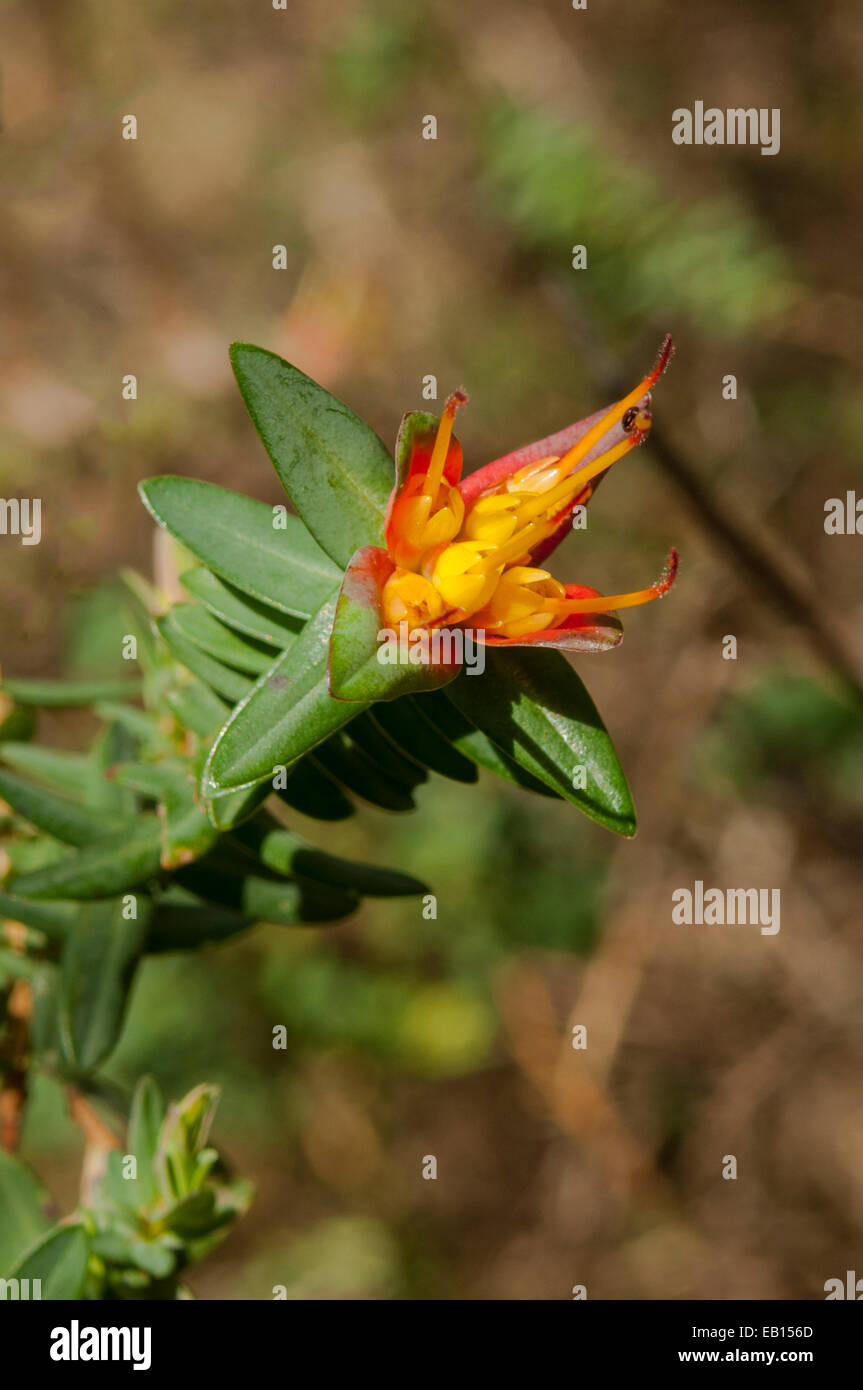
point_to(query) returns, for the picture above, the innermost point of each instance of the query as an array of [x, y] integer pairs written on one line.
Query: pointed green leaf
[[29, 853], [225, 812], [101, 792], [410, 729], [260, 899], [139, 724], [24, 1203], [286, 713], [186, 831], [66, 772], [99, 962], [402, 771], [353, 768], [534, 707], [472, 743], [54, 919], [313, 792], [152, 1256], [242, 653], [14, 965], [241, 612], [66, 820], [294, 902], [44, 920], [288, 854], [213, 673], [67, 694], [198, 707], [115, 865], [45, 1028], [183, 926], [195, 1215], [140, 602], [149, 779], [235, 537], [333, 467], [59, 1260], [184, 1133], [145, 1122]]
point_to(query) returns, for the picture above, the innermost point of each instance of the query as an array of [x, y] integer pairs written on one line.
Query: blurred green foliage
[[782, 728], [560, 186]]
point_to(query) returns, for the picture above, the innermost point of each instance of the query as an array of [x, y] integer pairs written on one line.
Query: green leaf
[[99, 963], [404, 722], [535, 708], [225, 812], [293, 902], [101, 793], [240, 612], [286, 713], [311, 790], [27, 853], [24, 1203], [145, 1122], [59, 1260], [472, 743], [67, 694], [354, 769], [332, 465], [45, 1028], [184, 1133], [140, 602], [197, 707], [115, 865], [208, 633], [213, 673], [183, 926], [54, 919], [404, 772], [287, 854], [66, 820], [149, 779], [65, 772], [118, 1249], [195, 1215], [187, 832], [112, 1196], [139, 724], [362, 667], [260, 899], [235, 537], [17, 966]]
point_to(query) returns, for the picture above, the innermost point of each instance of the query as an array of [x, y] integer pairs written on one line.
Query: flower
[[463, 559], [470, 552]]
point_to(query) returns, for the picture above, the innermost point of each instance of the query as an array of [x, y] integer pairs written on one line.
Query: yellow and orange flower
[[469, 553]]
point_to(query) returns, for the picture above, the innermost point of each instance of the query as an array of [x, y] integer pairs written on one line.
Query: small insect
[[628, 420]]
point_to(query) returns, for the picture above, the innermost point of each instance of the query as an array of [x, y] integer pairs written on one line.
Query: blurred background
[[408, 257]]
